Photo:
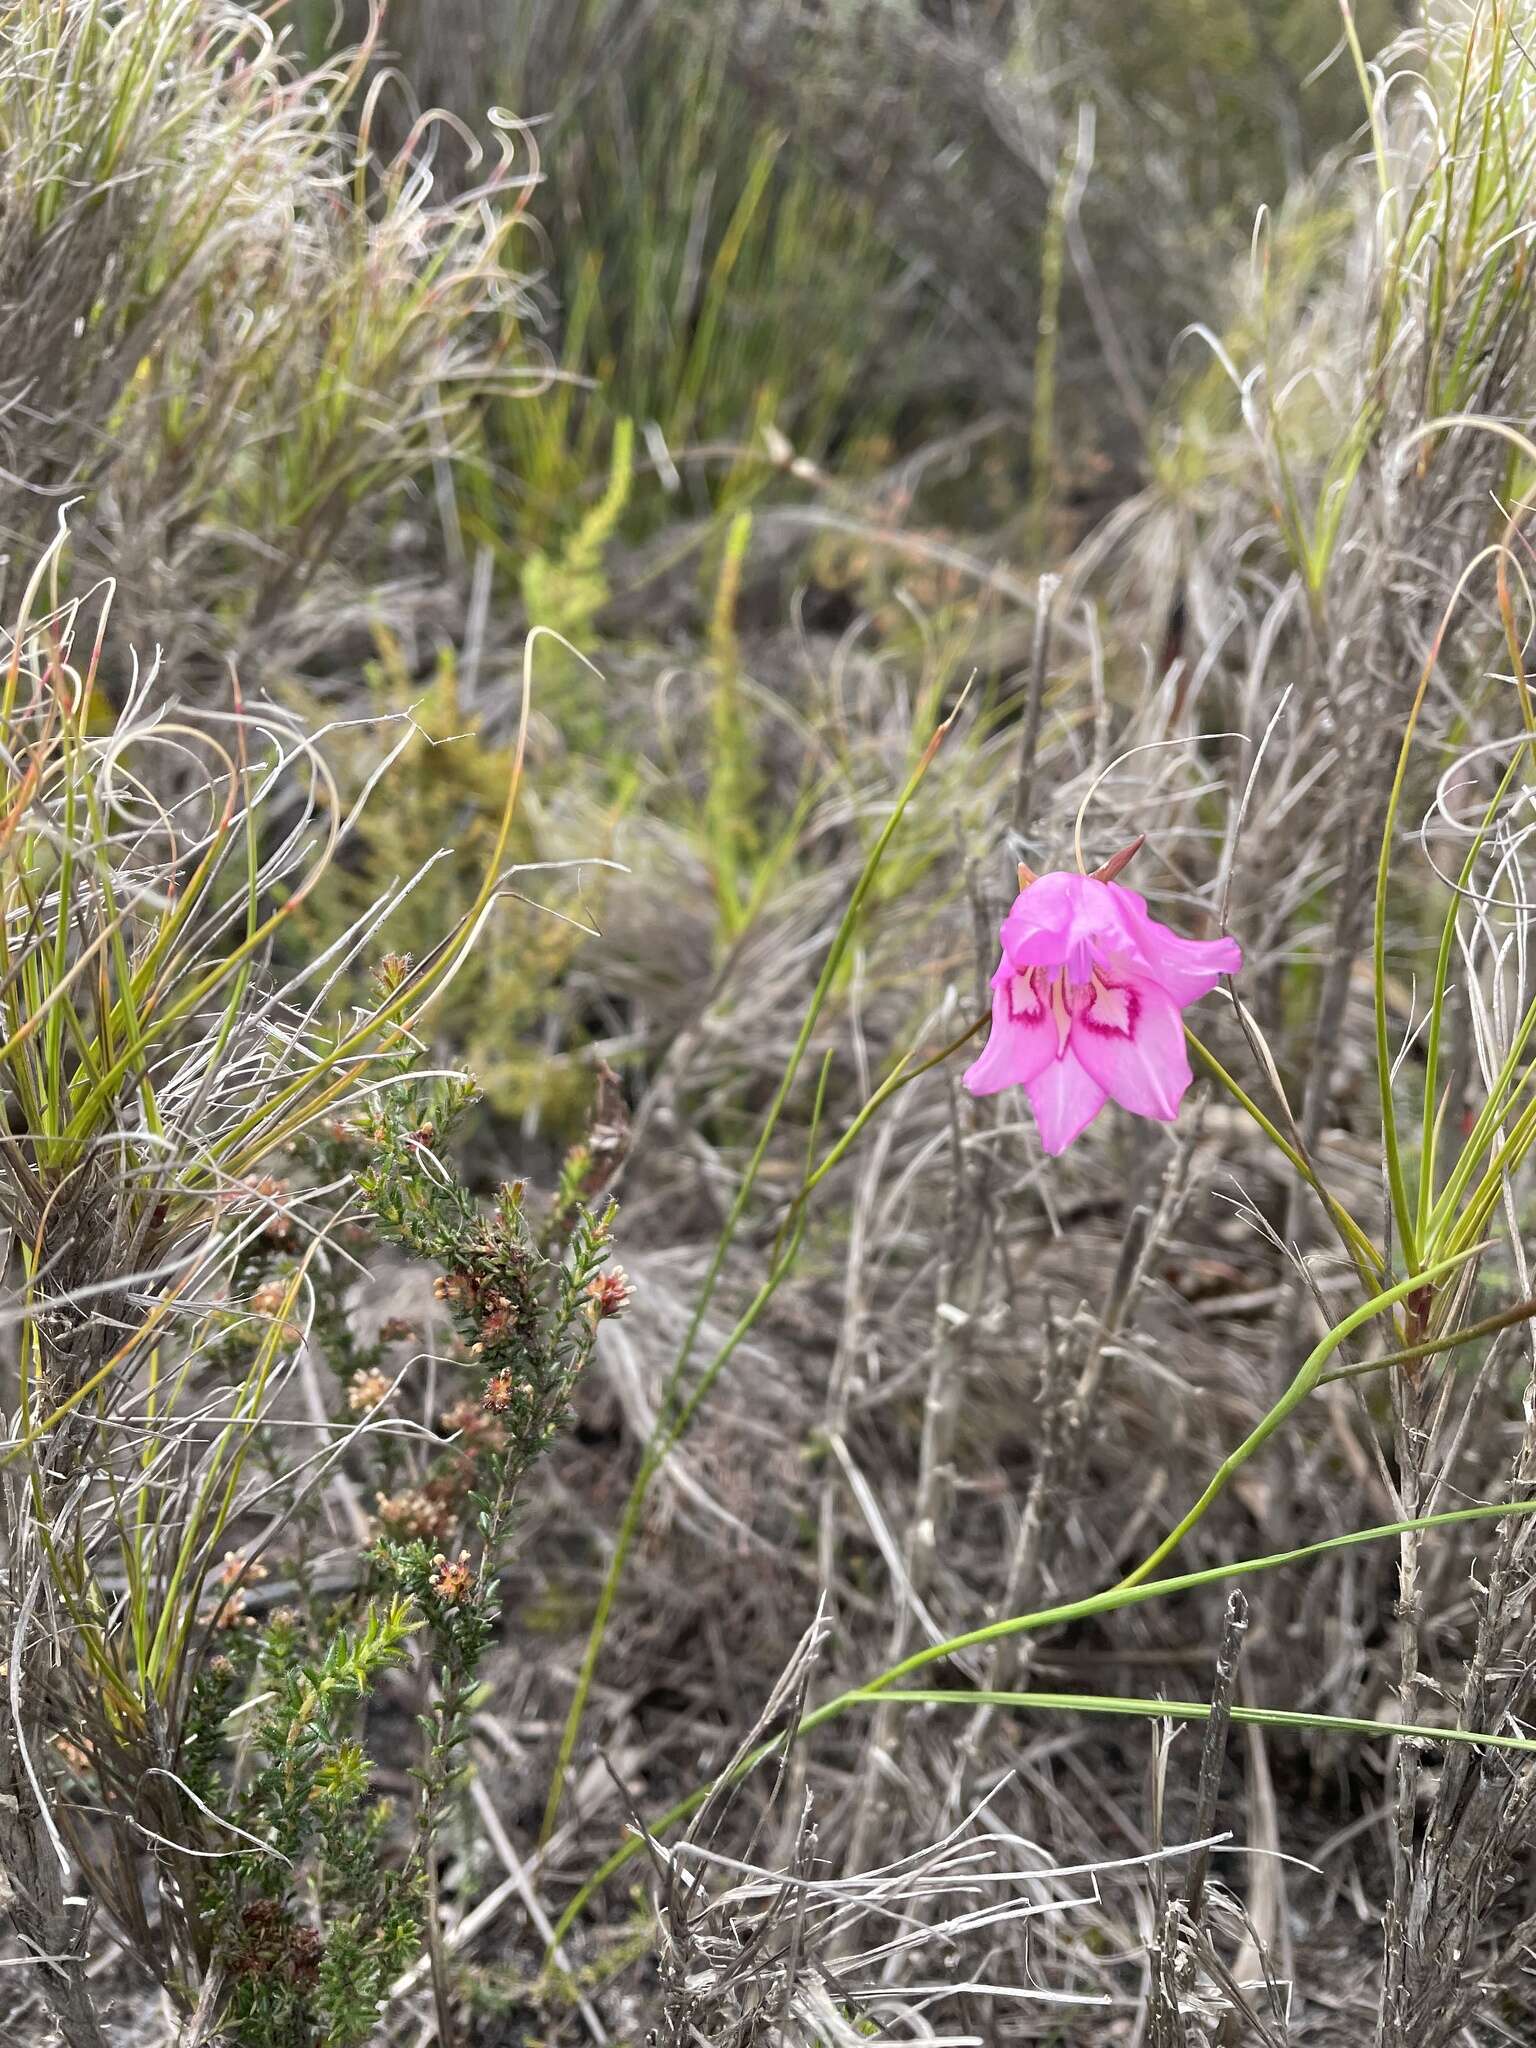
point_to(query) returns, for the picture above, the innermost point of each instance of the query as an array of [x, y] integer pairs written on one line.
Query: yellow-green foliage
[[1193, 441], [1312, 379], [565, 590], [446, 793], [734, 779]]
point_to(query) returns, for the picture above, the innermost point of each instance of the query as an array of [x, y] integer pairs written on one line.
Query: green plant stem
[[1092, 1605], [1366, 1258], [901, 1076], [1522, 1312], [672, 1419], [1186, 1710], [1306, 1379], [1404, 1213]]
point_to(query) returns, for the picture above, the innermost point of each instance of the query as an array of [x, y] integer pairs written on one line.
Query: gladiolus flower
[[1087, 1004]]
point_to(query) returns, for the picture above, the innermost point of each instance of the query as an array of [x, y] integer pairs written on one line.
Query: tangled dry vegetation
[[419, 1626]]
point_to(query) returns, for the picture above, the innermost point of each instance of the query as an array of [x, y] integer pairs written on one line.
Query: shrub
[[198, 1163]]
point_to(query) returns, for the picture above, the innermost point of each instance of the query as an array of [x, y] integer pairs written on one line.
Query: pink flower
[[1087, 1004]]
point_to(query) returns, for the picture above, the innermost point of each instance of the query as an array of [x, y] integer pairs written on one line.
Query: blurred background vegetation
[[861, 315]]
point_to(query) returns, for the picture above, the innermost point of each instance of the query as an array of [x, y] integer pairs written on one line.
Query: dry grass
[[956, 1382], [247, 341]]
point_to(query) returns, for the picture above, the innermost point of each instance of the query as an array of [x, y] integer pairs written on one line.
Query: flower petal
[[1065, 1100], [1062, 920], [1129, 1037], [1023, 1035], [1186, 968]]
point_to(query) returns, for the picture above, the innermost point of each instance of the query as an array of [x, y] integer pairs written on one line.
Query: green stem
[[1092, 1605], [1306, 1379], [1522, 1312], [672, 1420], [1367, 1259], [1403, 1211], [1188, 1710]]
